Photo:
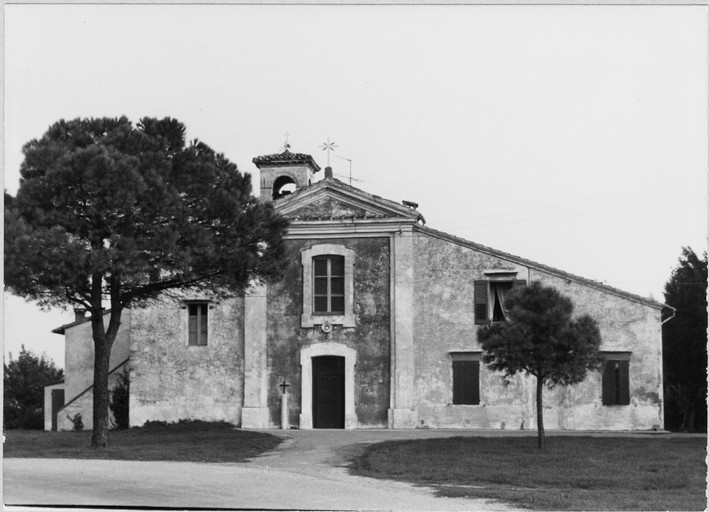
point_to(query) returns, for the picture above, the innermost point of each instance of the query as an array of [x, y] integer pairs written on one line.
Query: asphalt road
[[305, 473]]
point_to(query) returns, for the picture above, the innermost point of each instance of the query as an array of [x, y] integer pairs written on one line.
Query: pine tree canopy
[[133, 211]]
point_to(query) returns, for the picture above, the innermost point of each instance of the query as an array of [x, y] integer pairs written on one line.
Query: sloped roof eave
[[62, 328], [335, 184], [539, 266]]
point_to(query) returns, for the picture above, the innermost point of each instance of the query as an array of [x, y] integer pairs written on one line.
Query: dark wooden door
[[57, 403], [328, 392]]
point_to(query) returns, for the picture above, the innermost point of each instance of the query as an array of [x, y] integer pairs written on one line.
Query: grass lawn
[[186, 441], [572, 473]]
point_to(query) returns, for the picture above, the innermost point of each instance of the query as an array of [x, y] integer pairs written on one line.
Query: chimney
[[79, 314], [329, 173]]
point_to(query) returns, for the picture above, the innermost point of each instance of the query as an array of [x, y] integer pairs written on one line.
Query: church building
[[372, 326]]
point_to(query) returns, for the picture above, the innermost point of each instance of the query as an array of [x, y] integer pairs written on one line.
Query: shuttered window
[[329, 285], [465, 368], [197, 324], [615, 382], [480, 299]]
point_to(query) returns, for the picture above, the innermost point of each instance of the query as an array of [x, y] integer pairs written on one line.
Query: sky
[[574, 136]]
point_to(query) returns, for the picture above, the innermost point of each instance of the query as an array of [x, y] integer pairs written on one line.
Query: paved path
[[305, 473]]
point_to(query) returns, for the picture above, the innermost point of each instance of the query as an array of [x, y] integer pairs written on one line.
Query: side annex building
[[373, 326]]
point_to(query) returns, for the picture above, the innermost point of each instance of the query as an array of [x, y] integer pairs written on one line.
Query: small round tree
[[541, 338]]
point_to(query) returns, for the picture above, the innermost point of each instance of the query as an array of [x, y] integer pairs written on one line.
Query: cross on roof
[[328, 146], [287, 146]]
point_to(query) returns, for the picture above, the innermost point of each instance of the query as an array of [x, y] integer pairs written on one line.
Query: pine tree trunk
[[102, 356], [103, 341], [540, 426]]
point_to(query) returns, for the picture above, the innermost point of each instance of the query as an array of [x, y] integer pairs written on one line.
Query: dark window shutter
[[466, 382], [480, 299], [475, 387], [192, 324], [624, 398], [609, 384], [203, 324]]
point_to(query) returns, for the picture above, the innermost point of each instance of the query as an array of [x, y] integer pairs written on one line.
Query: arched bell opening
[[283, 186]]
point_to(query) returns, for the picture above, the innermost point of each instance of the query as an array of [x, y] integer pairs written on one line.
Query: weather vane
[[287, 146], [328, 146]]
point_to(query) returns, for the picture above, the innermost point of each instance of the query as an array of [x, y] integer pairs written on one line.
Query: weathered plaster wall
[[626, 326], [84, 405], [370, 337], [444, 323], [79, 354], [171, 380], [79, 368]]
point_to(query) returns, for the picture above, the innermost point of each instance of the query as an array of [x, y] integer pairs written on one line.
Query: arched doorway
[[328, 392], [322, 365]]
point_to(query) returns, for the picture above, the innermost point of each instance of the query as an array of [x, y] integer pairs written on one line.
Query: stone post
[[402, 414], [285, 425], [255, 413]]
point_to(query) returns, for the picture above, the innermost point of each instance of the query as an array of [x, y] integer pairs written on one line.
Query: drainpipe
[[670, 317]]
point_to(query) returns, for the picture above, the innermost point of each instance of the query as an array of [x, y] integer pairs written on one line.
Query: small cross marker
[[283, 386], [287, 146]]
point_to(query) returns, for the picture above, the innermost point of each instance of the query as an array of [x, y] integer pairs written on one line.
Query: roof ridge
[[546, 268]]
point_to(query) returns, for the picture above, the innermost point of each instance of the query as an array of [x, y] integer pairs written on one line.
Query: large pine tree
[[111, 214]]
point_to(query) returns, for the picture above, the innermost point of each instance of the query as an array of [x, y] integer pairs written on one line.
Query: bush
[[119, 401], [24, 379]]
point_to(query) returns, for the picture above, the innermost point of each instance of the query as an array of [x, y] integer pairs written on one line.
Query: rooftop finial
[[328, 146], [287, 146]]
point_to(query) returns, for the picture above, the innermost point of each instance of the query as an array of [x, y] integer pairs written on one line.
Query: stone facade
[[172, 380], [445, 274], [409, 299]]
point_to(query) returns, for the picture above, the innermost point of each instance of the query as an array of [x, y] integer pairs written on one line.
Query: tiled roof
[[286, 158]]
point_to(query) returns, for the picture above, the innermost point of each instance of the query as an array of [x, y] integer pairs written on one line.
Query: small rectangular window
[[466, 378], [197, 324], [615, 381], [329, 285]]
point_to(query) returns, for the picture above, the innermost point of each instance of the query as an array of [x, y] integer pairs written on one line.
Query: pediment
[[335, 200]]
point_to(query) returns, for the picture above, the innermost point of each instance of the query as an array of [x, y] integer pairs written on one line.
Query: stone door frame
[[327, 349]]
